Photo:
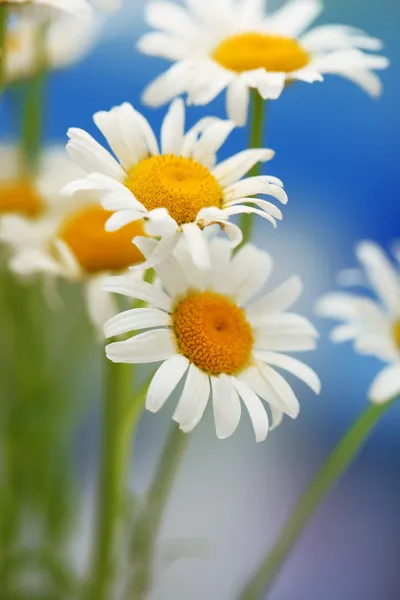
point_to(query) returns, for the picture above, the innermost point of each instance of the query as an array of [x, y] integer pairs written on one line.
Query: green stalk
[[34, 103], [113, 462], [335, 465], [3, 43], [256, 141], [148, 525]]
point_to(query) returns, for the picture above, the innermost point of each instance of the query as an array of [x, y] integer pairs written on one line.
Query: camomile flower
[[373, 325], [64, 42], [234, 45], [206, 327], [178, 190], [55, 236], [78, 7]]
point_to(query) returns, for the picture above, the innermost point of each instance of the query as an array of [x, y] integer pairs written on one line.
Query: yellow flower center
[[248, 51], [20, 197], [396, 333], [213, 333], [181, 185], [96, 249]]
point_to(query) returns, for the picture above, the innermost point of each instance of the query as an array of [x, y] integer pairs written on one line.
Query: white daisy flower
[[77, 7], [52, 235], [66, 41], [207, 325], [373, 325], [235, 45], [178, 190]]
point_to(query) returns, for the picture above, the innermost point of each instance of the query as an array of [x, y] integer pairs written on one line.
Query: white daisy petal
[[294, 17], [197, 245], [123, 217], [386, 385], [250, 268], [163, 249], [131, 286], [276, 417], [292, 365], [211, 141], [243, 209], [253, 186], [173, 128], [279, 300], [91, 156], [282, 390], [169, 270], [147, 347], [237, 166], [169, 16], [255, 408], [193, 400], [238, 101], [135, 320], [381, 274], [167, 377], [170, 84], [227, 407]]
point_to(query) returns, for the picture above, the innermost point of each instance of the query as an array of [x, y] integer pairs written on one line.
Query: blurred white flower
[[77, 7], [373, 325], [235, 45], [55, 236], [179, 191], [207, 325], [63, 42]]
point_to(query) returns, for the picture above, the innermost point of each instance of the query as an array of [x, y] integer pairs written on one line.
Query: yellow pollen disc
[[213, 333], [96, 249], [181, 185], [249, 51], [396, 333], [20, 197]]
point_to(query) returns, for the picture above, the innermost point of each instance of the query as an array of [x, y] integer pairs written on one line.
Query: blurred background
[[337, 152]]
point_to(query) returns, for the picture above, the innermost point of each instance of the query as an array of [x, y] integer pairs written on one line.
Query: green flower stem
[[256, 141], [113, 462], [3, 39], [34, 104], [148, 525], [335, 465]]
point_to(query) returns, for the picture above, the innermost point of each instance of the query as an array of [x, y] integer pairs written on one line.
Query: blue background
[[337, 152]]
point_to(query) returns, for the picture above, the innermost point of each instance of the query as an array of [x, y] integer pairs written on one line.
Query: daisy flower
[[206, 325], [55, 236], [373, 325], [78, 7], [178, 190], [235, 45], [66, 40]]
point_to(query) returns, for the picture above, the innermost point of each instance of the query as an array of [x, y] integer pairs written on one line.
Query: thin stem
[[3, 45], [256, 141], [148, 527], [335, 465], [32, 117], [114, 458]]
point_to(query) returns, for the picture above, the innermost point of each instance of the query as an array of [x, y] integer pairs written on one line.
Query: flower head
[[374, 325], [178, 190], [234, 45], [55, 236], [77, 7], [206, 325], [64, 41]]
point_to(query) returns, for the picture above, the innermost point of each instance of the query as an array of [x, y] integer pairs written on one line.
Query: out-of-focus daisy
[[374, 325], [207, 325], [66, 40], [178, 191], [235, 45], [78, 7], [61, 237]]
